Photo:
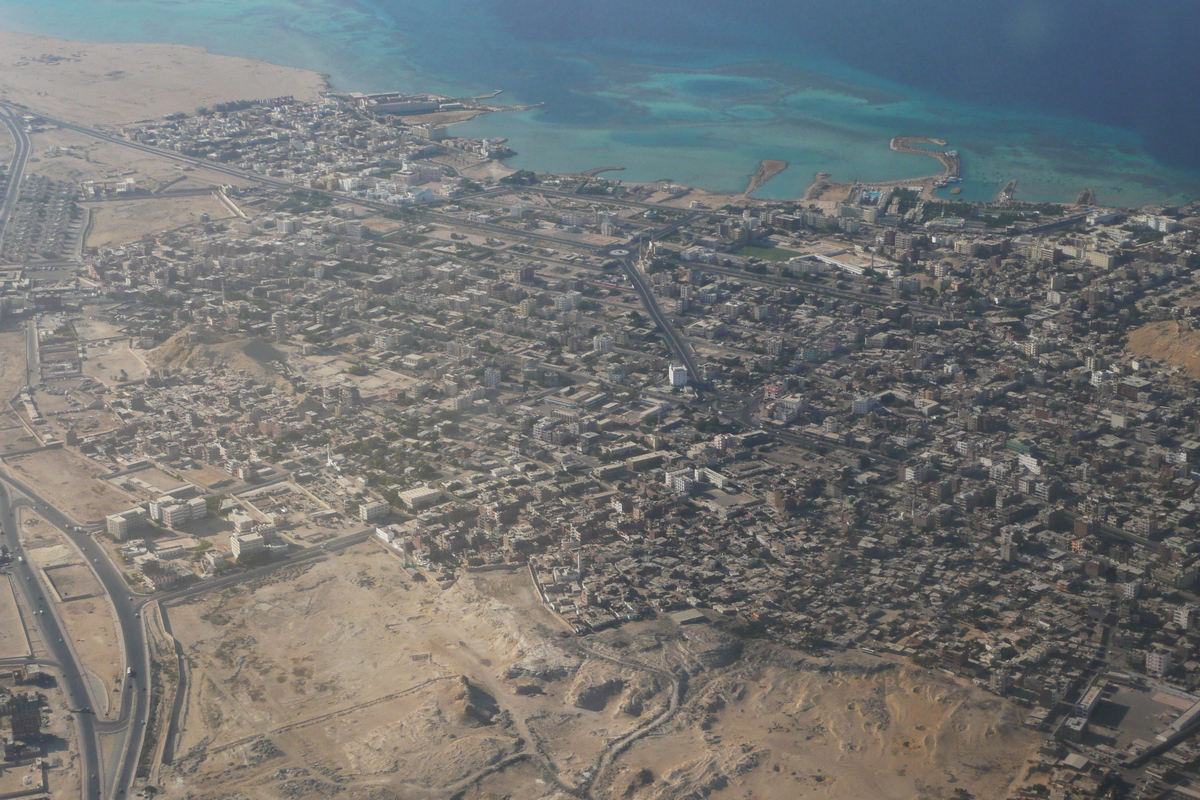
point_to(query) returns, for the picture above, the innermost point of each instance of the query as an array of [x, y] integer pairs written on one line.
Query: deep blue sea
[[1059, 94]]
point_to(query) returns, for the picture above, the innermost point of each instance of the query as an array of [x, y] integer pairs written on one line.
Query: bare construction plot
[[70, 483], [94, 634], [14, 643], [73, 581], [119, 222], [113, 363]]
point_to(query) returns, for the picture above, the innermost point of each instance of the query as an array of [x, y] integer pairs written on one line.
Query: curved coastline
[[949, 159]]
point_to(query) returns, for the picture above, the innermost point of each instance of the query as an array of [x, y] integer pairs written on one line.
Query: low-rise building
[[373, 510], [244, 545]]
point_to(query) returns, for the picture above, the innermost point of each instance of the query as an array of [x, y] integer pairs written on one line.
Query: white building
[[1158, 663], [1183, 617], [242, 522], [1159, 224], [121, 524], [243, 545], [418, 499], [175, 515], [568, 302], [677, 375], [680, 482], [387, 341], [373, 510], [863, 405]]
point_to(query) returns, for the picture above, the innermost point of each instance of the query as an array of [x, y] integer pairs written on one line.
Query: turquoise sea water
[[701, 105]]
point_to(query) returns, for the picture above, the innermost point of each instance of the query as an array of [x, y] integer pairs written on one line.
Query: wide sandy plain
[[346, 677], [98, 83]]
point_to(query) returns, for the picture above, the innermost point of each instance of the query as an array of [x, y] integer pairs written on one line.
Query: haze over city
[[643, 400]]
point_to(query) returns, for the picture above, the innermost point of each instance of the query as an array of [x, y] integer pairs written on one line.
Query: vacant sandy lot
[[88, 328], [14, 435], [90, 624], [69, 483], [210, 478], [345, 675], [350, 665], [93, 83], [114, 363], [13, 641], [12, 363], [74, 581], [74, 410], [123, 221], [66, 155], [149, 482], [898, 734]]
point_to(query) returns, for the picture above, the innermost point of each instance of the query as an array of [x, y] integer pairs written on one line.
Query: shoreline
[[341, 73], [105, 83], [949, 159]]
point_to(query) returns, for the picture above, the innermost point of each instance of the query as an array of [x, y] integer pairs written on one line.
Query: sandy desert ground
[[117, 83], [71, 483], [12, 363], [14, 643], [121, 222], [347, 677], [1168, 341]]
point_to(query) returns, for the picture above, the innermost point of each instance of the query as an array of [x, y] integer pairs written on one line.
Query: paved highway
[[670, 333], [16, 170], [25, 580], [134, 709]]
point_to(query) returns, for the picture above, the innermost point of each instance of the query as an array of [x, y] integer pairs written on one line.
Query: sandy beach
[[101, 83]]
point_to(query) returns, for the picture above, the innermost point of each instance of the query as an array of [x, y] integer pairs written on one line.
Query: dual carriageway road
[[15, 126]]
